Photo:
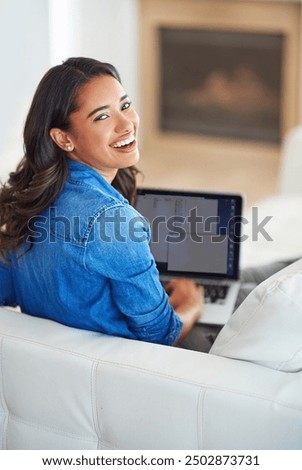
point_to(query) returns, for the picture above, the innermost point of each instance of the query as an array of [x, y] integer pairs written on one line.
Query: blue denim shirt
[[90, 265]]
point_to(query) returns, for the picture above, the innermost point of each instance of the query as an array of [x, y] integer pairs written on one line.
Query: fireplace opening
[[221, 83]]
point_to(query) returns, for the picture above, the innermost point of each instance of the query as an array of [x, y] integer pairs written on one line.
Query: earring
[[69, 148]]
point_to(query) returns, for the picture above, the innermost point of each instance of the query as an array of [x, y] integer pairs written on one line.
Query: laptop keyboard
[[214, 293]]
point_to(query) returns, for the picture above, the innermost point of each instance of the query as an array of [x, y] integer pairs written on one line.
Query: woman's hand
[[186, 297]]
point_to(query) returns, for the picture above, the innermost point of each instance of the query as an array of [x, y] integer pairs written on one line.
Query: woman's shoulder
[[88, 199], [87, 188], [78, 206], [88, 196]]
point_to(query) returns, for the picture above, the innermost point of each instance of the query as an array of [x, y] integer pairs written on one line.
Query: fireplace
[[220, 89], [221, 83]]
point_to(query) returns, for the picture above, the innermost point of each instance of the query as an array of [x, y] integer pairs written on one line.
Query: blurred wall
[[37, 34], [24, 44]]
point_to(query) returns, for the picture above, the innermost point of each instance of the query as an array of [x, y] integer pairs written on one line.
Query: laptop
[[197, 235]]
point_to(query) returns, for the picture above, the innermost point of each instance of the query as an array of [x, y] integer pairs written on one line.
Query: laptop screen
[[193, 234]]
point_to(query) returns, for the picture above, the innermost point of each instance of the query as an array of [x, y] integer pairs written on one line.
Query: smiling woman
[[104, 137], [80, 142]]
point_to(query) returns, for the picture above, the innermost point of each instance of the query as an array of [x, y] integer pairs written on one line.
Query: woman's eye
[[101, 117], [126, 105]]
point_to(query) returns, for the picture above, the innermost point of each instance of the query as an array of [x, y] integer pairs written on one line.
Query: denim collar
[[84, 174]]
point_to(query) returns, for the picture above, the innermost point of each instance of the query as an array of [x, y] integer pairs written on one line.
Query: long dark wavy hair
[[40, 176]]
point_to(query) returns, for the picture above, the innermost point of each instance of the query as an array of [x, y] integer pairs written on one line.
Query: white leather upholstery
[[63, 388]]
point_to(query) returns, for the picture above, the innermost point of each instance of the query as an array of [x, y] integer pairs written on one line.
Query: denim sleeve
[[119, 250], [7, 291]]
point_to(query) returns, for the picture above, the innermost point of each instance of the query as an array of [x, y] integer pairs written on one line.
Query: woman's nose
[[123, 124]]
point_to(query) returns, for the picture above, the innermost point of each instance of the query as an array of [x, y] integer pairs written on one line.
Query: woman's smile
[[124, 143]]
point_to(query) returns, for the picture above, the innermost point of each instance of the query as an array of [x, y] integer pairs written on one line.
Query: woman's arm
[[187, 300], [121, 253]]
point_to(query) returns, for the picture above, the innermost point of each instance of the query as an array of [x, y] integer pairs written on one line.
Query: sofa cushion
[[267, 327]]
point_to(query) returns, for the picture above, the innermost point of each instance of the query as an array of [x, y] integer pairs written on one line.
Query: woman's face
[[103, 131]]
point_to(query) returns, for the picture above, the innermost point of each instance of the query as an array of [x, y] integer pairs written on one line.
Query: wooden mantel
[[193, 161]]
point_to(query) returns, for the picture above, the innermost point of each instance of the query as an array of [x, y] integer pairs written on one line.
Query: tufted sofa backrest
[[62, 388]]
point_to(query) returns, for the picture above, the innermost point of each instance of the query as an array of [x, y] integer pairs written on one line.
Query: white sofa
[[63, 388]]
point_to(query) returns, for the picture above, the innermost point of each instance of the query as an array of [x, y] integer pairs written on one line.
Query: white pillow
[[267, 327]]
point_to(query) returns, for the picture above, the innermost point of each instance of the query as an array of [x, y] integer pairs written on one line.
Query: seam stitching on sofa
[[60, 432], [252, 395], [109, 446], [210, 387], [200, 408], [101, 441], [48, 346], [51, 429], [151, 372], [95, 420]]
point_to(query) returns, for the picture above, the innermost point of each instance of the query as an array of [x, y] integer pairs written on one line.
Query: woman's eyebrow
[[101, 108]]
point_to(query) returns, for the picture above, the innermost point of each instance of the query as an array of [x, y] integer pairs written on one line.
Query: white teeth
[[124, 142]]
